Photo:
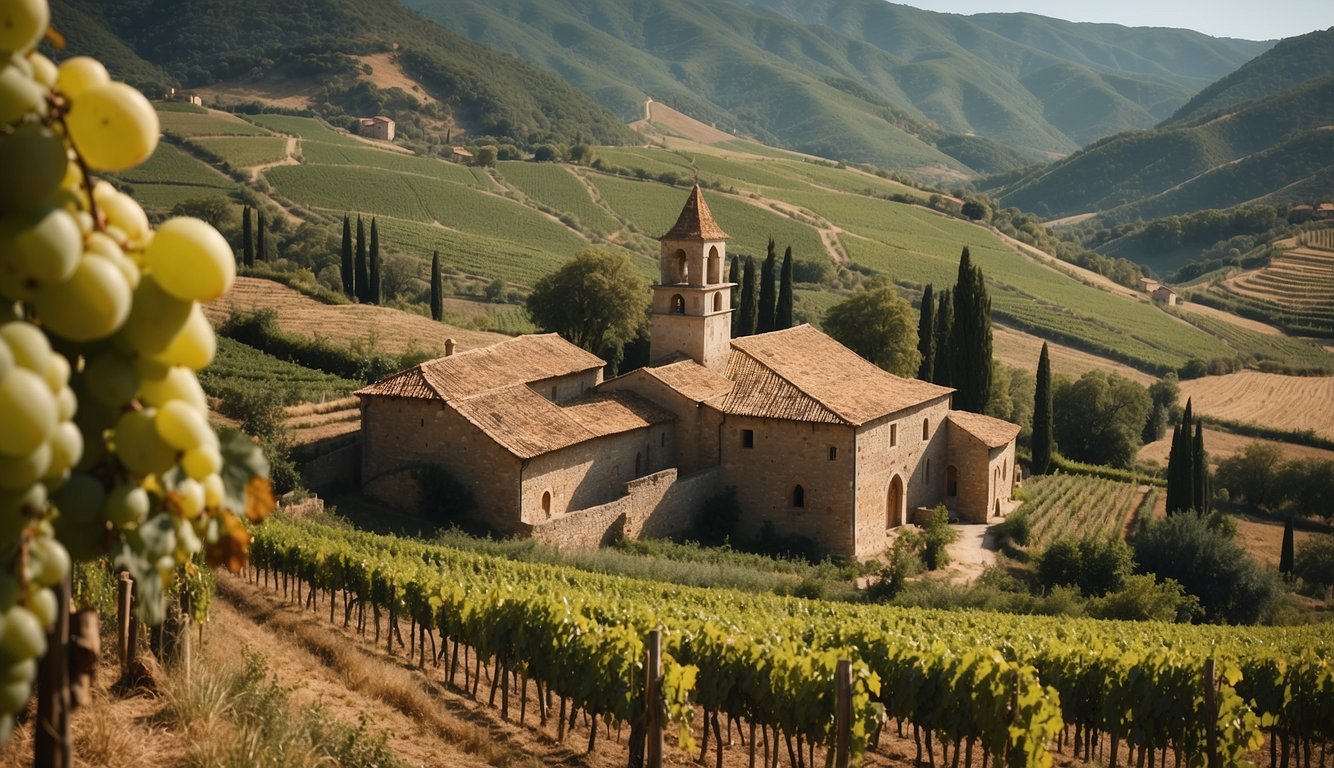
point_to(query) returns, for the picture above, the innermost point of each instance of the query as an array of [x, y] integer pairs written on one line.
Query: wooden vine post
[[52, 747], [842, 713], [1215, 760], [653, 700], [124, 604]]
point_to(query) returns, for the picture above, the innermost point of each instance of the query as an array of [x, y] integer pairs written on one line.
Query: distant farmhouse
[[1157, 291], [378, 127], [818, 442]]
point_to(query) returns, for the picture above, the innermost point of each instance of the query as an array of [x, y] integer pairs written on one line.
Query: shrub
[[905, 561], [1017, 529], [718, 518], [1314, 563], [936, 536], [1095, 565], [1143, 598]]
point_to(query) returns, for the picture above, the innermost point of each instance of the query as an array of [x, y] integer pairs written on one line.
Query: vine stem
[[58, 108]]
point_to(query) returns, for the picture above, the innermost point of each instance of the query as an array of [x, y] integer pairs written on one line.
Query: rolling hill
[[860, 80], [1271, 149]]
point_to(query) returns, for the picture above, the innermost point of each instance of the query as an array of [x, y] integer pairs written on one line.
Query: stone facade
[[818, 443]]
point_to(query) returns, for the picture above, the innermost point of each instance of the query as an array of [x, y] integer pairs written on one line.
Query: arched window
[[926, 429], [717, 302], [798, 496], [678, 305], [546, 503], [682, 267], [715, 266], [951, 481], [894, 507]]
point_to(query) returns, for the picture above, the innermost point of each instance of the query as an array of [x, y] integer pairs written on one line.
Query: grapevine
[[105, 444]]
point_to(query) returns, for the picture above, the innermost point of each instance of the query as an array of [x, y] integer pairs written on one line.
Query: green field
[[1074, 507], [190, 124], [243, 152], [240, 366], [1264, 348], [318, 152], [171, 176], [306, 128], [555, 186]]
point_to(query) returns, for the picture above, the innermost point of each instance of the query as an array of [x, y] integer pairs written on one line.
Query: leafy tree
[[597, 301], [247, 239], [1097, 565], [437, 298], [495, 291], [359, 261], [783, 314], [941, 370], [970, 338], [768, 300], [484, 156], [373, 295], [1314, 563], [346, 264], [926, 333], [1099, 418], [1042, 440], [1142, 598], [878, 325], [1200, 485], [1164, 393], [746, 323], [974, 209], [937, 535], [1210, 565], [734, 277], [582, 154], [1181, 467], [260, 252], [1285, 555], [213, 209], [1308, 487], [1253, 475]]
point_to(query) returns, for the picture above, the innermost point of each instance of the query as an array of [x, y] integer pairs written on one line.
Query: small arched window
[[682, 267], [678, 305], [798, 496], [715, 266], [546, 503], [717, 302], [926, 428]]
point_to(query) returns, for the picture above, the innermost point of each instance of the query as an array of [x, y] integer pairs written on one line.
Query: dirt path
[[289, 158]]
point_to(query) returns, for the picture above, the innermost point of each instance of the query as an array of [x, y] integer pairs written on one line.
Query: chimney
[[449, 347]]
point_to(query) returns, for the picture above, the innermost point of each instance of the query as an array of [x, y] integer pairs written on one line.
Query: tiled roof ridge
[[695, 220], [841, 416]]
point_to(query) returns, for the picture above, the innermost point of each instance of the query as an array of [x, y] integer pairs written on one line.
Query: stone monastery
[[818, 442]]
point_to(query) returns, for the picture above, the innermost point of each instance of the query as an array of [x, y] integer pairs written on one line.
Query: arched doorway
[[798, 496], [895, 512], [951, 481]]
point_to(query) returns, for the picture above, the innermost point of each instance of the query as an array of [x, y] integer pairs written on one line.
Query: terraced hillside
[[1296, 288]]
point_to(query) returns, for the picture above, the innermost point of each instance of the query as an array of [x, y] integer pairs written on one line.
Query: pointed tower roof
[[696, 221]]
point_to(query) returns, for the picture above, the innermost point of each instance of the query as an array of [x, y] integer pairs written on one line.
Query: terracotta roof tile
[[528, 425], [696, 221], [802, 374], [691, 379], [992, 432], [521, 360]]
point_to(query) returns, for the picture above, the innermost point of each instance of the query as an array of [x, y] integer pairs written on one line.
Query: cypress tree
[[970, 338], [247, 239], [941, 372], [783, 315], [437, 300], [349, 284], [374, 288], [1181, 475], [734, 277], [926, 334], [359, 261], [259, 241], [746, 323], [1200, 462], [1285, 557], [768, 301], [1042, 416]]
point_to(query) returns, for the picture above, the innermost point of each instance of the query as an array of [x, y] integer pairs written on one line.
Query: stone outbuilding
[[818, 443]]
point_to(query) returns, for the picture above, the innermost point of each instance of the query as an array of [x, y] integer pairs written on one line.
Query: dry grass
[[328, 406], [1273, 400], [1019, 349], [1220, 445], [380, 328]]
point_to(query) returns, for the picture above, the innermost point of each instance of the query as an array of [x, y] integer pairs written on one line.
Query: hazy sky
[[1247, 19]]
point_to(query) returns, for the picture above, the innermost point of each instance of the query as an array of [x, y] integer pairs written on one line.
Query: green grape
[[30, 348], [22, 24], [194, 346], [22, 636], [38, 251], [57, 373], [19, 472], [14, 696], [79, 73], [190, 260], [182, 426], [27, 412], [155, 318], [113, 126], [122, 212], [43, 70], [42, 603], [21, 670], [138, 446], [66, 404], [111, 379], [34, 160], [91, 305], [127, 505], [176, 384], [215, 492], [48, 562], [19, 95], [6, 359], [202, 462], [66, 448], [16, 510], [99, 244], [190, 497]]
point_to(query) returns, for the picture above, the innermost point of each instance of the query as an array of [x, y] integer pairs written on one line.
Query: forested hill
[[1275, 148], [860, 79], [199, 42], [1290, 63]]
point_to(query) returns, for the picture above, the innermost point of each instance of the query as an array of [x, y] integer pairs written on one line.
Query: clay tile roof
[[528, 425], [802, 374], [692, 380], [521, 360], [993, 433], [696, 221]]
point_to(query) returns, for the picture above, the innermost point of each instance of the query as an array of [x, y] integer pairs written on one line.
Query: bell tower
[[692, 300]]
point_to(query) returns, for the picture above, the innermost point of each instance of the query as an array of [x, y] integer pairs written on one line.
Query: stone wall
[[911, 445], [659, 505], [336, 470], [593, 472], [696, 432], [971, 458], [558, 389]]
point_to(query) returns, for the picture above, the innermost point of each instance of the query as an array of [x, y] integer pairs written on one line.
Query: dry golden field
[[1268, 399]]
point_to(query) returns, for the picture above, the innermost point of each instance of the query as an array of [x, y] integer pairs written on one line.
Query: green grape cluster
[[105, 443]]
